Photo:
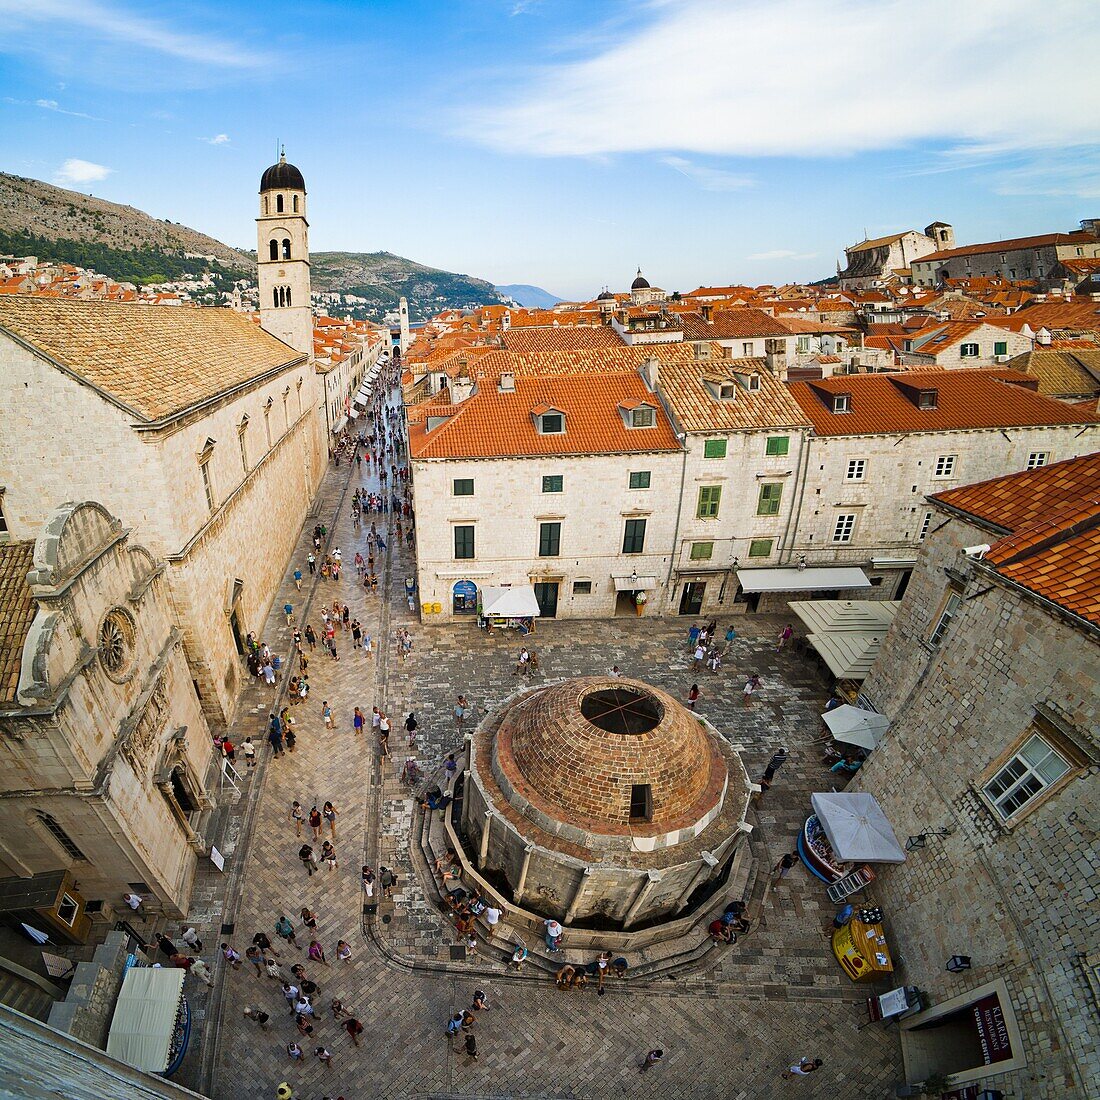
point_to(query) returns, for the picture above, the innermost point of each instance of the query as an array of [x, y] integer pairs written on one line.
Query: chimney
[[701, 350], [775, 355], [1042, 337], [650, 370], [462, 386], [507, 382], [707, 310]]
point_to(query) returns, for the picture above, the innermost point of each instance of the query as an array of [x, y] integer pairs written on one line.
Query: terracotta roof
[[877, 242], [882, 403], [154, 361], [1044, 240], [1076, 315], [17, 608], [732, 324], [1051, 520], [578, 338], [491, 424], [1062, 370]]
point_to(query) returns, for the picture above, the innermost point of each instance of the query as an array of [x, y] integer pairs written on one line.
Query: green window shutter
[[1000, 347], [760, 548], [464, 542], [701, 551], [639, 479], [709, 498], [552, 483], [549, 540], [778, 445], [634, 536], [770, 497], [464, 487], [714, 448]]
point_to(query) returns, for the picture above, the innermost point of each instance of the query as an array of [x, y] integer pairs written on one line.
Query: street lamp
[[921, 839]]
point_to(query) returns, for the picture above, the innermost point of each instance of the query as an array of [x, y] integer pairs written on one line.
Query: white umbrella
[[857, 828], [856, 726]]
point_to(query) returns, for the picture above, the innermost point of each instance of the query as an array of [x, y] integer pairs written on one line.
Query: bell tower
[[282, 256]]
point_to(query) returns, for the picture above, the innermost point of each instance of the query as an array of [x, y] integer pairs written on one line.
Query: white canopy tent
[[856, 726], [848, 634], [510, 603], [857, 828], [145, 1017]]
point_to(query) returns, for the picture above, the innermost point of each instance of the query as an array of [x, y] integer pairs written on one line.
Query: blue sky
[[565, 143]]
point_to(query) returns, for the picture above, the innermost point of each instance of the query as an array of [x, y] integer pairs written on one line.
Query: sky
[[565, 143]]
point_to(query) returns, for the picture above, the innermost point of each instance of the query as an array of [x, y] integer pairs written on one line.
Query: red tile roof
[[579, 338], [1044, 240], [17, 609], [1051, 520], [732, 324], [965, 399], [491, 424]]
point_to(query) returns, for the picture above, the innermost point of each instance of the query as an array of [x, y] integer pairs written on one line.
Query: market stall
[[847, 635], [860, 948], [151, 1026], [846, 828], [514, 608], [855, 732]]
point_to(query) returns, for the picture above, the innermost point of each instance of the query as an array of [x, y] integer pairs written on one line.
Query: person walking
[[309, 919], [317, 952], [384, 735], [288, 611], [166, 946], [256, 957], [343, 951], [290, 993], [411, 725], [354, 1029], [285, 930], [249, 752], [191, 938], [357, 720], [471, 1047], [784, 637], [368, 881], [326, 714], [751, 685], [135, 902], [202, 972], [781, 869], [693, 696], [257, 1016], [315, 822], [311, 637], [297, 815], [329, 812], [802, 1068], [777, 761], [480, 1001], [554, 933], [387, 880], [328, 855], [294, 1051], [298, 579], [651, 1059], [305, 854], [232, 957]]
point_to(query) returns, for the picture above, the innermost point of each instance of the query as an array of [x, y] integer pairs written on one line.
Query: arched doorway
[[464, 598]]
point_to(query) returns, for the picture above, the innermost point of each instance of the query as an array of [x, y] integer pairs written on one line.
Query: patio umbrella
[[856, 726], [857, 828]]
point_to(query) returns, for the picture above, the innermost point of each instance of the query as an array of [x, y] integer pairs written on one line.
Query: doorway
[[903, 584], [238, 636], [691, 599], [546, 595]]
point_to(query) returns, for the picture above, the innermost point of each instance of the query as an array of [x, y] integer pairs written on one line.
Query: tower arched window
[[288, 295], [286, 248], [275, 296], [265, 205], [278, 204], [295, 204], [273, 248]]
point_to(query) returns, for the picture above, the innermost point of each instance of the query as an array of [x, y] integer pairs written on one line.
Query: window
[[857, 467], [842, 529], [464, 541], [842, 402], [968, 351], [641, 802], [714, 448], [207, 484], [777, 445], [61, 836], [463, 487], [582, 588], [701, 551], [295, 202], [727, 391], [273, 249], [642, 418], [552, 423], [639, 479], [267, 423], [1026, 775], [286, 410], [242, 442], [552, 483], [1037, 459], [948, 612], [945, 465], [549, 540], [746, 349], [760, 548], [928, 399], [67, 910], [753, 383], [709, 498], [4, 518], [769, 500], [278, 204], [634, 536], [286, 248], [924, 525]]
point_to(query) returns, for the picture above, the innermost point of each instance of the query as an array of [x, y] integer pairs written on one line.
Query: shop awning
[[893, 563], [634, 583], [848, 634], [810, 579], [856, 726], [857, 828], [353, 413], [145, 1017], [510, 603], [339, 425]]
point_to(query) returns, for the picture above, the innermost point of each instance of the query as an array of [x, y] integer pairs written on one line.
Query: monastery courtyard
[[729, 1024]]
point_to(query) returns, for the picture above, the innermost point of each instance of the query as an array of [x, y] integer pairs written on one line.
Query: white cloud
[[75, 170], [50, 105], [115, 24], [782, 254], [709, 179], [217, 139], [814, 78]]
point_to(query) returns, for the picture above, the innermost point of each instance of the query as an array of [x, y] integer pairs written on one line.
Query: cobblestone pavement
[[728, 1029]]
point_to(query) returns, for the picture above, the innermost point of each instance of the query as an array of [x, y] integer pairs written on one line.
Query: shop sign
[[989, 1019]]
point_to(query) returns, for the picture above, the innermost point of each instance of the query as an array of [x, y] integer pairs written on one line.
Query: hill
[[532, 297], [128, 245]]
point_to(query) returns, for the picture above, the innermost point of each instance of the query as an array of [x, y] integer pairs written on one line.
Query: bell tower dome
[[282, 257]]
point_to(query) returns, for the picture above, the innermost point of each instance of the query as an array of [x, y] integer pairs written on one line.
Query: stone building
[[1039, 258], [989, 678], [106, 759], [873, 263], [603, 802], [196, 427], [958, 344]]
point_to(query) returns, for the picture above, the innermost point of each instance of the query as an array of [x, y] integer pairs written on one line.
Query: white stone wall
[[987, 337], [900, 471], [506, 509]]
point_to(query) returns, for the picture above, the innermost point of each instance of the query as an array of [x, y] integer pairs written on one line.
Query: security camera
[[976, 551]]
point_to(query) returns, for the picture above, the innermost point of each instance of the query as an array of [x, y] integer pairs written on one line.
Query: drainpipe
[[796, 512], [574, 904], [648, 883], [674, 557]]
